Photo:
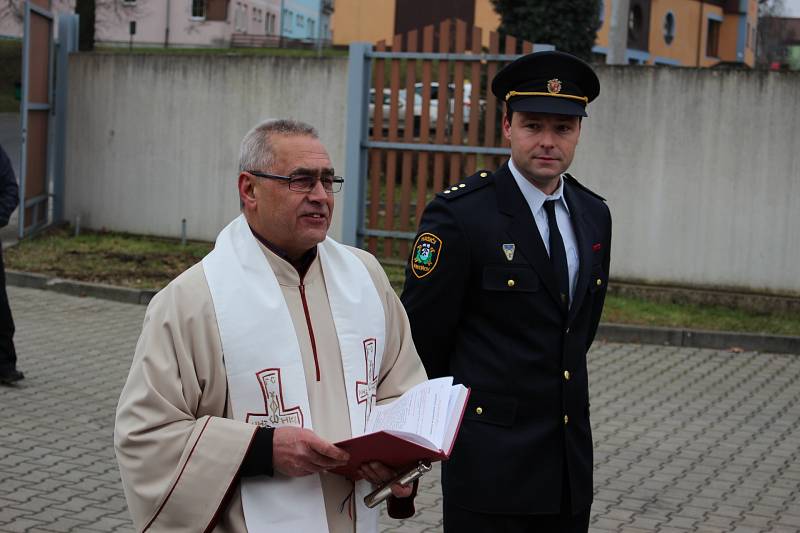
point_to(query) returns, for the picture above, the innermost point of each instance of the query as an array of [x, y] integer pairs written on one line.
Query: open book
[[421, 425]]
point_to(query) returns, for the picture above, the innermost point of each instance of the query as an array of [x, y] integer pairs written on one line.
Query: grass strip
[[143, 262]]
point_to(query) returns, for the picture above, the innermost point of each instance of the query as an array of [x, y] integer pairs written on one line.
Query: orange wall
[[684, 46], [602, 33], [486, 19], [728, 38], [704, 60], [362, 20], [730, 35], [373, 20]]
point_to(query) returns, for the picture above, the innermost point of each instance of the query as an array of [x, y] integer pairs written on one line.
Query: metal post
[[23, 111], [356, 153], [183, 232], [618, 33], [68, 31], [280, 34], [166, 27]]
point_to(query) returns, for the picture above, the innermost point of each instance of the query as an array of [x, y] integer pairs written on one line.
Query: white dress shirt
[[536, 199]]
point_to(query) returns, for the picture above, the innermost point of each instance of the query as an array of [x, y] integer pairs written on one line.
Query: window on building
[[311, 29], [300, 21], [712, 38], [128, 2], [198, 9], [635, 20], [669, 28], [747, 36], [287, 22]]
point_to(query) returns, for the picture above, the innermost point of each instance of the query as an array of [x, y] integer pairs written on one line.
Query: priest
[[253, 362]]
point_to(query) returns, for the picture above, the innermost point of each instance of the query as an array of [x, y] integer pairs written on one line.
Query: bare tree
[[14, 9], [11, 9], [98, 14]]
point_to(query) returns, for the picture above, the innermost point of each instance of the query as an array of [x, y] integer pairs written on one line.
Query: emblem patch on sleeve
[[427, 250]]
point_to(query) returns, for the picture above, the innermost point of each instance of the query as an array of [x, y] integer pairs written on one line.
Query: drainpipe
[[700, 32], [280, 35], [319, 29], [166, 29]]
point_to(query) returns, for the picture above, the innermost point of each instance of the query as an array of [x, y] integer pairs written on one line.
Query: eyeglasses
[[305, 182]]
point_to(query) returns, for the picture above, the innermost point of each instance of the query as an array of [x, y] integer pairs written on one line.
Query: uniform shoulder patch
[[471, 183], [425, 255], [572, 181]]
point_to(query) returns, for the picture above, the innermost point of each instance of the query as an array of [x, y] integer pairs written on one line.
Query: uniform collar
[[533, 195]]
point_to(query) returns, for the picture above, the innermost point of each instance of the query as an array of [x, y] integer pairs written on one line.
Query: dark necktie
[[558, 255]]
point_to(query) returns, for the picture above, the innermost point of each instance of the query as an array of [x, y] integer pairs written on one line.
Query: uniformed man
[[504, 290]]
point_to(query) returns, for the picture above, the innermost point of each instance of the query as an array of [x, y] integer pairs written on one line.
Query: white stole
[[266, 381]]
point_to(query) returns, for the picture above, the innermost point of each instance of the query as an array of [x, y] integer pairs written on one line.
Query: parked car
[[386, 108], [433, 111]]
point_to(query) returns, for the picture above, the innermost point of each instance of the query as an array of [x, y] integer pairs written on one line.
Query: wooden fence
[[402, 181]]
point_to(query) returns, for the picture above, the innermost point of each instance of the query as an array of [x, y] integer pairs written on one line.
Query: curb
[[696, 338], [691, 338], [79, 288]]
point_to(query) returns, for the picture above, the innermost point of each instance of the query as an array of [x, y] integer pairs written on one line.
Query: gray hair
[[256, 151]]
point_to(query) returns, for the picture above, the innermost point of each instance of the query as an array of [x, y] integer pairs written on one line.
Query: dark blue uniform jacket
[[496, 325]]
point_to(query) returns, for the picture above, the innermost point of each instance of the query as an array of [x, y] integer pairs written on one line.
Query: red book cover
[[392, 450]]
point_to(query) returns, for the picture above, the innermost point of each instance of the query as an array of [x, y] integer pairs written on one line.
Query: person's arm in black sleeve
[[9, 190], [399, 508], [600, 297], [433, 299], [258, 461]]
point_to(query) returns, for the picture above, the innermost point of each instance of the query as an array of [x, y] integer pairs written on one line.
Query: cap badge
[[554, 86]]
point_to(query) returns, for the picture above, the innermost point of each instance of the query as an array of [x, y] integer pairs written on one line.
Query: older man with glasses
[[253, 362]]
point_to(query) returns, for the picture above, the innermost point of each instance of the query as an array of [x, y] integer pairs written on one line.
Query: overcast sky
[[793, 8]]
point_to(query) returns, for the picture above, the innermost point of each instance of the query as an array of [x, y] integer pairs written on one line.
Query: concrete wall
[[154, 139], [701, 169]]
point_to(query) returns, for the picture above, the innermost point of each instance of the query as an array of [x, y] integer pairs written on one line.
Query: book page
[[458, 400], [421, 410]]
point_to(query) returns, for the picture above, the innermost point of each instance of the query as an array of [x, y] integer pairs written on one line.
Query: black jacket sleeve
[[9, 190], [433, 299]]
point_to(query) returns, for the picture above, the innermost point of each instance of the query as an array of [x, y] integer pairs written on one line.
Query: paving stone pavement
[[685, 439]]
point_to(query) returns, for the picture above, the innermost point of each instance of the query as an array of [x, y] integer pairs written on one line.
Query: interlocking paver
[[685, 439]]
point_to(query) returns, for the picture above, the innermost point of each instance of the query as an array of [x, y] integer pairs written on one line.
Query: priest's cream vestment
[[178, 443]]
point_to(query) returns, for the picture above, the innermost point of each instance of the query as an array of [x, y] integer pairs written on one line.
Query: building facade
[[307, 19], [697, 33], [689, 33], [185, 23], [780, 43], [11, 13], [191, 23]]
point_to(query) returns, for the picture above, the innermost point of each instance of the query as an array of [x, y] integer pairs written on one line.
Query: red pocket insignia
[[596, 247]]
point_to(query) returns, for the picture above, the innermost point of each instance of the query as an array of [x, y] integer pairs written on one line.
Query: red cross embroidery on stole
[[275, 414], [366, 391]]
